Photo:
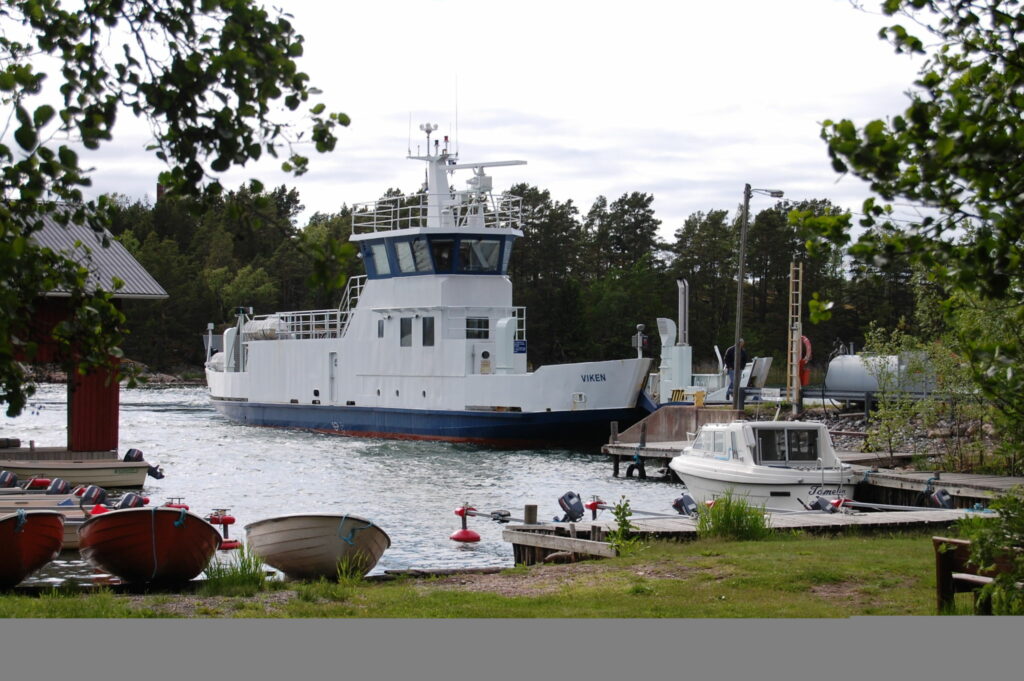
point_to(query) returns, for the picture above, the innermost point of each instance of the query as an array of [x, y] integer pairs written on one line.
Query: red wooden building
[[93, 399]]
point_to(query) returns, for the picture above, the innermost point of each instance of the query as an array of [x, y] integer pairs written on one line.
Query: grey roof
[[84, 246]]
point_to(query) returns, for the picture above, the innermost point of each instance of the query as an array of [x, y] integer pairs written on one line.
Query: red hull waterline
[[153, 544], [28, 541]]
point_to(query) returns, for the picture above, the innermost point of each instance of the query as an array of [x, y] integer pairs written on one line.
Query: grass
[[732, 518], [242, 574], [784, 576]]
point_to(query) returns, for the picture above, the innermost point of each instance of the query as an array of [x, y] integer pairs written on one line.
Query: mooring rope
[[20, 525], [352, 533], [181, 519]]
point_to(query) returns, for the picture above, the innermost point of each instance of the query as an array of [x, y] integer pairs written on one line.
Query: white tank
[[859, 373]]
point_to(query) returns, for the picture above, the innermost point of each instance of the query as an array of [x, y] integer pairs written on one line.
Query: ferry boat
[[427, 344], [780, 465]]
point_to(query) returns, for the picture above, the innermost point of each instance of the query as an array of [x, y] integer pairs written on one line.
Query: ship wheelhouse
[[443, 253]]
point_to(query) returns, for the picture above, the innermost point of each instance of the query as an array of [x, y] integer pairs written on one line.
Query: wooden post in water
[[615, 433], [530, 514]]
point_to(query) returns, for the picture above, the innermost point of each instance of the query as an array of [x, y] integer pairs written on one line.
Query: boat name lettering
[[826, 492], [593, 378]]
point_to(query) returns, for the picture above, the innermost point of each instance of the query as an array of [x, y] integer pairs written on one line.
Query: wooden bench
[[955, 574]]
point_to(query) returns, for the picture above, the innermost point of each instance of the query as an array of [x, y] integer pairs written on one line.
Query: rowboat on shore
[[155, 544], [111, 473], [314, 545], [76, 507], [29, 540]]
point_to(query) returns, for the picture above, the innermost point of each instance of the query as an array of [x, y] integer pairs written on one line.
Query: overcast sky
[[681, 99]]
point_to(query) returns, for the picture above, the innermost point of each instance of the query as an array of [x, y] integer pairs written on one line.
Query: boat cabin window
[[441, 250], [379, 254], [771, 446], [479, 255], [413, 256], [781, 446], [803, 445], [428, 331], [406, 332], [478, 328], [380, 328]]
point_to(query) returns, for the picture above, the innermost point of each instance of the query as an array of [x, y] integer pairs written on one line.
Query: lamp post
[[736, 353]]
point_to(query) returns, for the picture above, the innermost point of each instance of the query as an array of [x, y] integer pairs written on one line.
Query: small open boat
[[112, 473], [155, 544], [28, 541], [313, 545]]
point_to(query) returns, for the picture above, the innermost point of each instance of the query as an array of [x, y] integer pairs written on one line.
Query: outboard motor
[[685, 505], [131, 500], [573, 507], [135, 455], [942, 499], [58, 486], [93, 494], [822, 504], [8, 479]]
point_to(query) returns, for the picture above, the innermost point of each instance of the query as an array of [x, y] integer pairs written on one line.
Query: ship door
[[332, 374]]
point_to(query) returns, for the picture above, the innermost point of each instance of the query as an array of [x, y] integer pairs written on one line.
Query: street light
[[736, 354]]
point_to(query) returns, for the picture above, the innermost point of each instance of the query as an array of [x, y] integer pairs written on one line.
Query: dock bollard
[[465, 534]]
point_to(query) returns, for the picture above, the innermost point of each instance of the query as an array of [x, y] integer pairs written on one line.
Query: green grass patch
[[242, 574], [732, 517]]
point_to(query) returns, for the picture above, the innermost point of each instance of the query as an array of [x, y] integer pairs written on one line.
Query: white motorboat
[[427, 344], [313, 545], [780, 465]]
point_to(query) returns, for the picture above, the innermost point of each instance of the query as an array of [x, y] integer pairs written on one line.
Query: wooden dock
[[535, 543]]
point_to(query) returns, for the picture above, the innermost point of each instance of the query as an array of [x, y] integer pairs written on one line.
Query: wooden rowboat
[[313, 545], [28, 541], [153, 544]]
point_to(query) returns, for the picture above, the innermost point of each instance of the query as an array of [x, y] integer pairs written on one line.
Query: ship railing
[[353, 289], [469, 209]]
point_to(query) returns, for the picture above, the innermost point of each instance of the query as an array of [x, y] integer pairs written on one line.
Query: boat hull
[[101, 473], [30, 540], [152, 545], [483, 427], [775, 490], [310, 546]]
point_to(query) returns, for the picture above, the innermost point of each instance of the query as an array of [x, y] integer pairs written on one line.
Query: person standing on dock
[[732, 366]]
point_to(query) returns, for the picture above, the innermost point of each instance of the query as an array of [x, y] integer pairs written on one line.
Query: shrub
[[1001, 537]]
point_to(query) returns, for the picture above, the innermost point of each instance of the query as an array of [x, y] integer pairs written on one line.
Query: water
[[409, 488]]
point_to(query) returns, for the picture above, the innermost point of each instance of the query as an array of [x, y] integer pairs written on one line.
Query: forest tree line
[[586, 279]]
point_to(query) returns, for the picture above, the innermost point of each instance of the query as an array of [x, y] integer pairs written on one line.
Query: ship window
[[379, 252], [771, 445], [719, 442], [506, 255], [380, 328], [441, 250], [479, 255], [406, 332], [428, 331], [412, 256], [478, 327], [803, 445]]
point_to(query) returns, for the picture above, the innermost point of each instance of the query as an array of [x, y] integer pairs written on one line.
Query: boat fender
[[639, 468], [8, 479], [573, 507], [38, 483], [93, 494], [58, 486], [685, 505], [131, 500], [133, 455]]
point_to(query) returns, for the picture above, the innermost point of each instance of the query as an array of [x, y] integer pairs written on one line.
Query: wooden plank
[[546, 541]]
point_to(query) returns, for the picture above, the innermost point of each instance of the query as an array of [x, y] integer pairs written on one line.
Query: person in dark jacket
[[732, 366]]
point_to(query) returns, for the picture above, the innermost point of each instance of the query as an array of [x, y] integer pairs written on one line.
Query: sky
[[684, 100]]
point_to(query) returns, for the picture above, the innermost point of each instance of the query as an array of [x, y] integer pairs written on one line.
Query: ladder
[[796, 276]]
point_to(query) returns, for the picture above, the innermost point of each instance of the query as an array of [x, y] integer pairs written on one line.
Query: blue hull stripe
[[485, 427]]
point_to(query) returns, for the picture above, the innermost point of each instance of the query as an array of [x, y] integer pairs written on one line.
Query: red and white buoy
[[465, 534], [220, 517]]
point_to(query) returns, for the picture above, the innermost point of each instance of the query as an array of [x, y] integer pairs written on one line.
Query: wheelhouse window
[[380, 328], [478, 328], [441, 251], [406, 332], [413, 256], [771, 446], [379, 255], [428, 331], [479, 255]]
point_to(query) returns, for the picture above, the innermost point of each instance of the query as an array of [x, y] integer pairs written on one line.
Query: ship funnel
[[684, 311]]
